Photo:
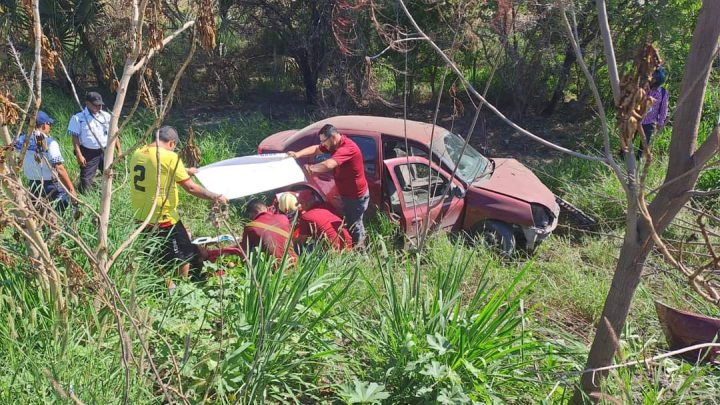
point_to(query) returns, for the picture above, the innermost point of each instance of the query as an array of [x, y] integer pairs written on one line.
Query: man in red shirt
[[315, 221], [267, 230], [346, 162]]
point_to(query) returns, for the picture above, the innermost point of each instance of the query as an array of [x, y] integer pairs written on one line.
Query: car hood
[[513, 179]]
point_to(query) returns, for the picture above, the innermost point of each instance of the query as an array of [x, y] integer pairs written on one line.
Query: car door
[[418, 191]]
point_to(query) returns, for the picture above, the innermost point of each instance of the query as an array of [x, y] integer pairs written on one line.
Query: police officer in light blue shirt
[[41, 159], [90, 129]]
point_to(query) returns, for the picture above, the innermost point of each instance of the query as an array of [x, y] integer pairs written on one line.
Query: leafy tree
[[302, 29], [645, 223]]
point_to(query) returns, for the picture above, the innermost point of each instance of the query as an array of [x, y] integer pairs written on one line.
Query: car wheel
[[498, 235]]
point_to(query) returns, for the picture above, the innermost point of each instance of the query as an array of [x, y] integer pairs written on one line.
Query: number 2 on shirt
[[139, 177]]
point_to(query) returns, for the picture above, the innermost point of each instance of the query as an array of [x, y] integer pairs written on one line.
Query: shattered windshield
[[472, 163]]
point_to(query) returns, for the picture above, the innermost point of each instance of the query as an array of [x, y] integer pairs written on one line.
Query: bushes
[[434, 334]]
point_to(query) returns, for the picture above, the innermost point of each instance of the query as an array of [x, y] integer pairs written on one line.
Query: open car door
[[418, 190]]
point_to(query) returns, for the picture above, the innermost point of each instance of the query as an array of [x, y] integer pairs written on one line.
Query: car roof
[[416, 131]]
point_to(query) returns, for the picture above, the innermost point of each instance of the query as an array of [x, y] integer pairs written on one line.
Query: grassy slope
[[569, 275]]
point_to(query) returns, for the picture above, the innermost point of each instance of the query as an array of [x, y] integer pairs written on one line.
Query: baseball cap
[[43, 118], [94, 97]]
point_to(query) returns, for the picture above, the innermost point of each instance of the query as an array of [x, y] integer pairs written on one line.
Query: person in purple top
[[654, 119]]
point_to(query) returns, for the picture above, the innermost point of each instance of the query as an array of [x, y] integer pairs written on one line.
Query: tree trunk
[[433, 79], [586, 36], [310, 79], [474, 70], [684, 167], [91, 51], [563, 77]]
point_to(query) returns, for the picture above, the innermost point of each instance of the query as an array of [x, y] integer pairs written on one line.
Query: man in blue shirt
[[42, 158]]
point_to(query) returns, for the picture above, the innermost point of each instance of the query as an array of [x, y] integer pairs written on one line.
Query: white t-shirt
[[33, 169], [87, 127]]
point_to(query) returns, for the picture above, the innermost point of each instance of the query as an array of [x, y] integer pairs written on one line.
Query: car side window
[[393, 148], [418, 182], [368, 148]]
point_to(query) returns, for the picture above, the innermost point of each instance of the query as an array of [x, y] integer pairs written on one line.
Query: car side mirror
[[458, 192]]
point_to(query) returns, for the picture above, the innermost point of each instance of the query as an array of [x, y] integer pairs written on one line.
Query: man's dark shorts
[[49, 190], [176, 244]]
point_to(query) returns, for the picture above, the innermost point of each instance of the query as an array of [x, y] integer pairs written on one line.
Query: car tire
[[497, 235]]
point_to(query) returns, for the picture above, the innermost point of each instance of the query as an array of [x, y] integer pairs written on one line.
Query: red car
[[462, 189]]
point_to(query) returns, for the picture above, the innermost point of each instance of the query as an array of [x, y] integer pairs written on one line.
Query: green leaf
[[422, 391], [438, 343], [364, 393], [435, 370], [477, 373], [453, 396]]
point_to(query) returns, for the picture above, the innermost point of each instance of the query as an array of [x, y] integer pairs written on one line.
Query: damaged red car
[[418, 172]]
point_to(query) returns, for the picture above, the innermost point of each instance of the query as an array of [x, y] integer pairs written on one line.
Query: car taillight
[[260, 150]]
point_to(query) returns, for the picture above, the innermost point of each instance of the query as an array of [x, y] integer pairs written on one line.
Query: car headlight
[[542, 216]]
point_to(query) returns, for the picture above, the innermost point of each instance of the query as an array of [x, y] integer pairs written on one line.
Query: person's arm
[[118, 149], [78, 153], [309, 151], [201, 192], [322, 167], [663, 108], [339, 157], [65, 180], [74, 130]]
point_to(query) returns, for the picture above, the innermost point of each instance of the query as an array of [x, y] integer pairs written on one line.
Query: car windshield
[[471, 164]]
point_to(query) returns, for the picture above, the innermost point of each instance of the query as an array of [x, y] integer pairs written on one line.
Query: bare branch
[[650, 360], [704, 193], [72, 85], [165, 41], [609, 49], [391, 46], [598, 101]]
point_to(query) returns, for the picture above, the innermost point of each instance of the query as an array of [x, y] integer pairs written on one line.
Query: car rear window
[[368, 147]]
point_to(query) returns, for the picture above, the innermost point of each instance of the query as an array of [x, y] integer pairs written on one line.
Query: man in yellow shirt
[[157, 196]]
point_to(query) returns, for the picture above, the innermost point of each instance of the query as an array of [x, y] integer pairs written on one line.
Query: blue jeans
[[354, 209], [648, 129], [50, 191]]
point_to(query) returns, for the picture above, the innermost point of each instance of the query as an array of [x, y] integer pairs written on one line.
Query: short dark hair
[[168, 134], [328, 130], [254, 207]]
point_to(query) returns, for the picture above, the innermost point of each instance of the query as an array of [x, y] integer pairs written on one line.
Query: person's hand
[[222, 199], [192, 170], [306, 169], [81, 159], [292, 154]]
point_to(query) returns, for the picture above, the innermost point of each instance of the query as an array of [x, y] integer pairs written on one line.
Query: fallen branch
[[650, 360]]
